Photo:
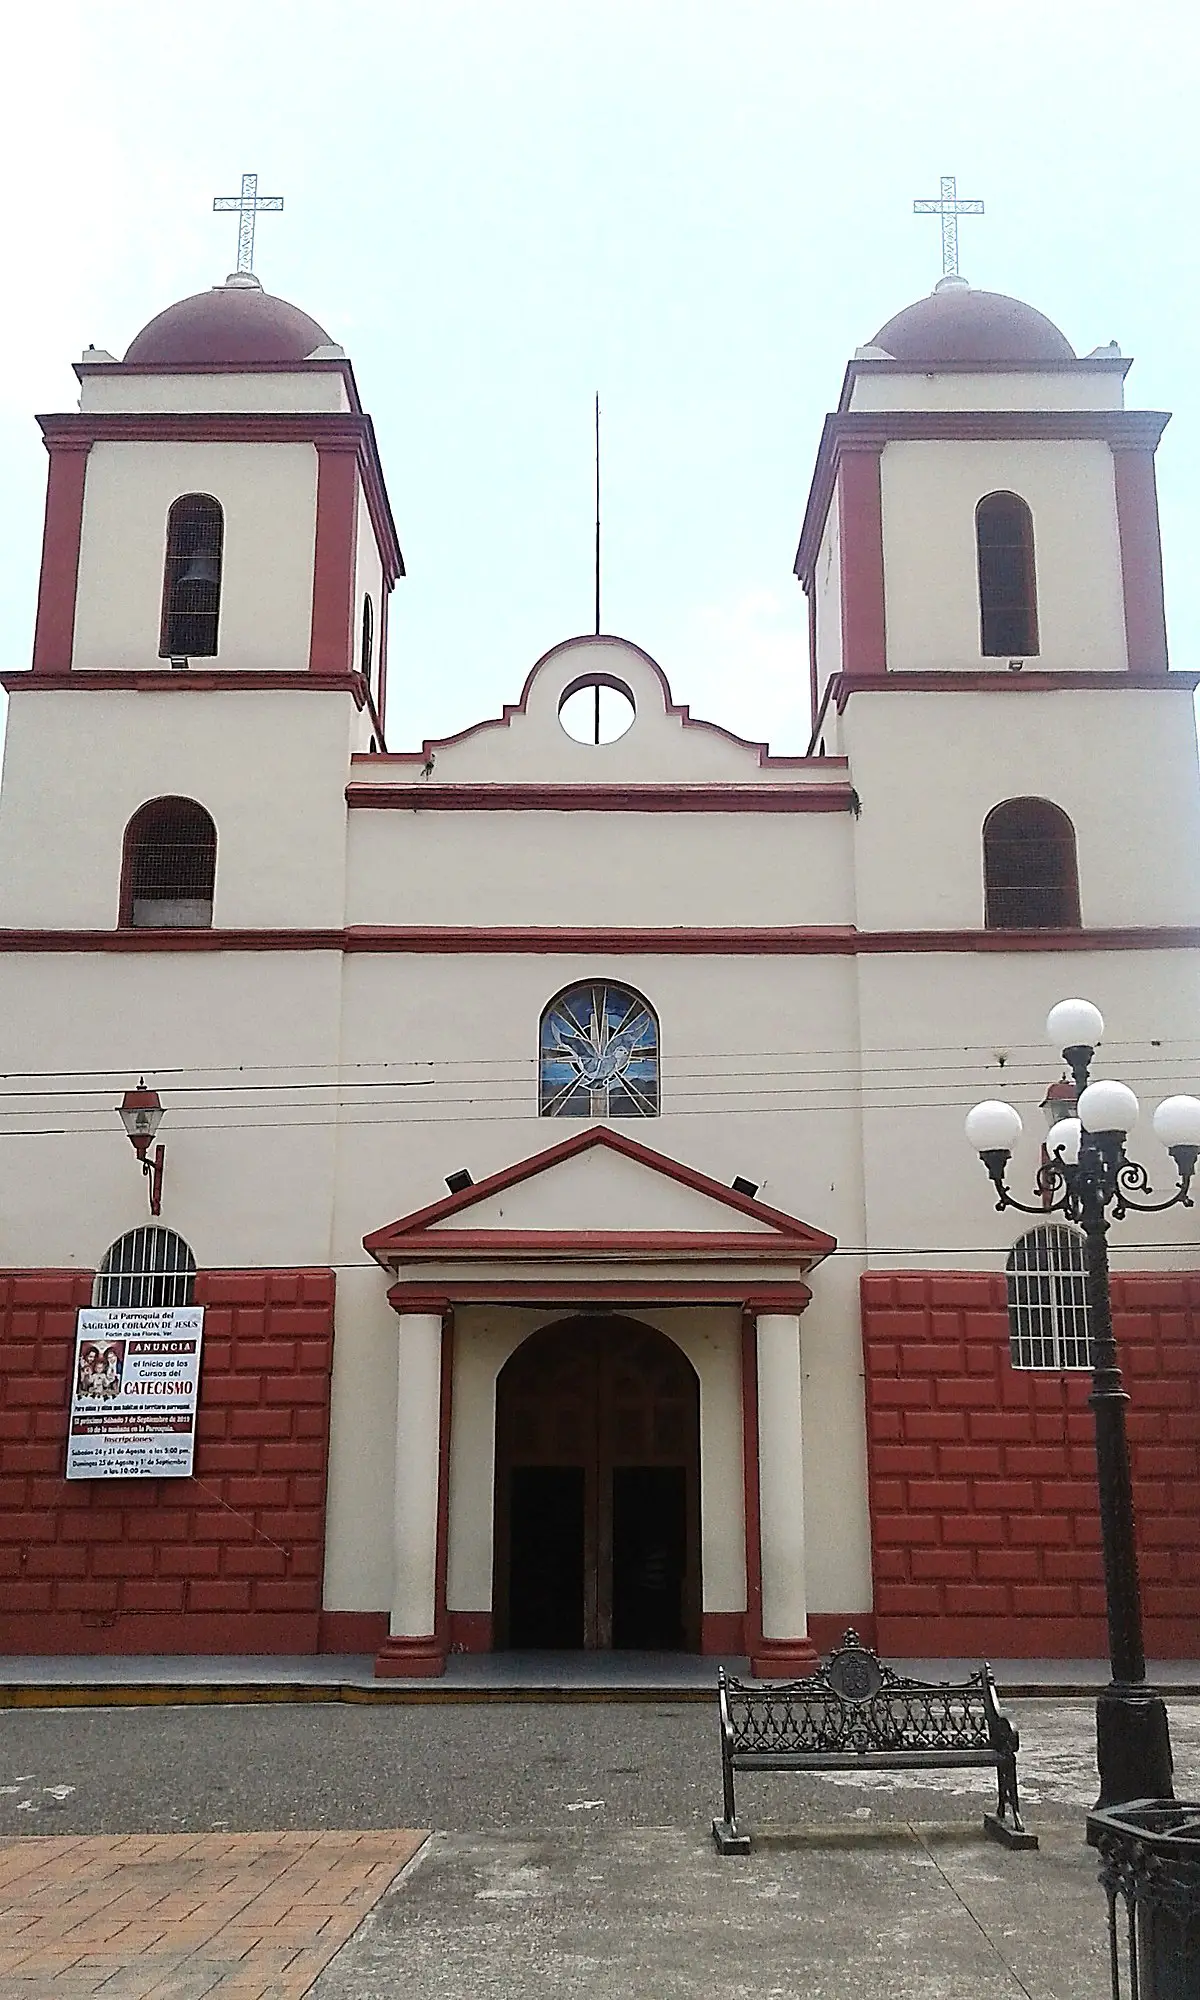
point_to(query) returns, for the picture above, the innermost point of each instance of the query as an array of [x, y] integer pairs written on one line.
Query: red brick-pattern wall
[[985, 1523], [229, 1561]]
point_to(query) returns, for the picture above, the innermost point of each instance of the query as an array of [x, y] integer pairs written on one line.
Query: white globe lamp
[[1106, 1106], [1177, 1122], [1062, 1142], [1074, 1024], [993, 1127]]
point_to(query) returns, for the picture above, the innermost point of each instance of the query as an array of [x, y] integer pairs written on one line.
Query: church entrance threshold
[[597, 1504]]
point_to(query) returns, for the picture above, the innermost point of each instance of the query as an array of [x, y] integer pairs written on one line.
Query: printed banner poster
[[134, 1394]]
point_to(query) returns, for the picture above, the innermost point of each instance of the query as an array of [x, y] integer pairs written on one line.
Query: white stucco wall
[[1026, 389], [301, 389], [931, 584], [539, 868], [827, 583], [268, 767], [268, 494], [940, 1033], [918, 846]]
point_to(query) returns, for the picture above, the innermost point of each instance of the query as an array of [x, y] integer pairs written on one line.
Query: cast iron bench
[[858, 1714]]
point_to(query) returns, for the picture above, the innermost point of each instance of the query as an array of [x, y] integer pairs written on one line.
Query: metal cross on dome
[[248, 204], [949, 208]]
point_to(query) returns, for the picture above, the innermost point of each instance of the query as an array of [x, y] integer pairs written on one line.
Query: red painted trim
[[679, 710], [410, 1298], [445, 1419], [851, 430], [470, 1631], [70, 1633], [860, 515], [1000, 681], [396, 1238], [58, 586], [827, 1629], [410, 1659], [153, 681], [331, 643], [327, 429], [723, 1634], [1029, 1638], [753, 1514], [604, 798], [352, 1631], [783, 1659], [584, 1244], [1141, 560], [784, 941]]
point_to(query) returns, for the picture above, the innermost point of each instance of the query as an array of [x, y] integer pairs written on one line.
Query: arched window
[[598, 1054], [169, 867], [192, 578], [148, 1267], [1047, 1299], [367, 654], [1008, 624], [1029, 874]]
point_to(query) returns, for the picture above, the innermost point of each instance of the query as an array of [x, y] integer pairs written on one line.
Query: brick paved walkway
[[234, 1916]]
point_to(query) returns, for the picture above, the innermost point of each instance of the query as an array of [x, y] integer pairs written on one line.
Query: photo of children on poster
[[134, 1392]]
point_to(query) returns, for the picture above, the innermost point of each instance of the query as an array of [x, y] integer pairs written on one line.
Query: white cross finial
[[247, 205], [949, 208]]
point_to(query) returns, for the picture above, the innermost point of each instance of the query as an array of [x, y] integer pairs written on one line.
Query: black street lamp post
[[1087, 1177]]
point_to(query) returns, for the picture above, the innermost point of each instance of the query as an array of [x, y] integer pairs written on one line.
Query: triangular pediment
[[599, 1192]]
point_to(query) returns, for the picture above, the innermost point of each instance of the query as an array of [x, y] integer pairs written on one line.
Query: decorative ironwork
[[247, 205], [856, 1711], [949, 208], [1150, 1864], [147, 1267], [1133, 1744]]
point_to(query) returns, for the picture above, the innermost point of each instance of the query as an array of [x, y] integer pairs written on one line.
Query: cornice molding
[[604, 798], [799, 941]]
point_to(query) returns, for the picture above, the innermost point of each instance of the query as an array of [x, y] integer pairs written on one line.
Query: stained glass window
[[599, 1055]]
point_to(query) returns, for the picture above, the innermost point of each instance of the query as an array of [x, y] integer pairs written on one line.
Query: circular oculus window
[[597, 708]]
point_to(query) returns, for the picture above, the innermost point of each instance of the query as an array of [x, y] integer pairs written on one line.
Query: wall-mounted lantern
[[140, 1112]]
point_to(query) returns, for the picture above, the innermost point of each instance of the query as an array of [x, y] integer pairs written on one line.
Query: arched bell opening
[[597, 1491]]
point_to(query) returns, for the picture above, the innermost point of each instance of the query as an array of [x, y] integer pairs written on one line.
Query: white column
[[781, 1478], [418, 1431]]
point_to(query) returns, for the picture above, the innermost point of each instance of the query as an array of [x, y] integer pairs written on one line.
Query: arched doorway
[[597, 1505]]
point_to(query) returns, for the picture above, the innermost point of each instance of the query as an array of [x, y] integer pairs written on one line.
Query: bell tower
[[981, 558], [218, 557]]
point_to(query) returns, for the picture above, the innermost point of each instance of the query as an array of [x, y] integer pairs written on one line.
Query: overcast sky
[[696, 207]]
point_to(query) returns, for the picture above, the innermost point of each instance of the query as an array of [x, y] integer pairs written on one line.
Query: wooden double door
[[597, 1502]]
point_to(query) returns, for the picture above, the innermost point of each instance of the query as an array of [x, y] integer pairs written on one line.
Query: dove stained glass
[[599, 1055]]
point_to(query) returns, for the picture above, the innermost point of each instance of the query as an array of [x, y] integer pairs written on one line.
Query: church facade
[[562, 1121]]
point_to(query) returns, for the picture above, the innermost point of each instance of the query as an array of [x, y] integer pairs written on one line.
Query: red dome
[[956, 323], [235, 322]]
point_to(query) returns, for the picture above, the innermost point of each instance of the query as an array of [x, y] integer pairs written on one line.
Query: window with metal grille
[[148, 1267], [1047, 1299], [1008, 623], [169, 867], [1029, 872], [192, 578]]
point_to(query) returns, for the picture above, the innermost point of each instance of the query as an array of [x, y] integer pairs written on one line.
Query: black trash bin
[[1150, 1871]]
